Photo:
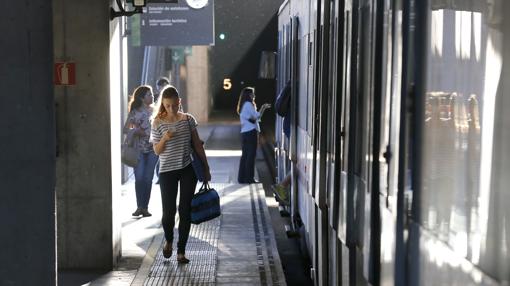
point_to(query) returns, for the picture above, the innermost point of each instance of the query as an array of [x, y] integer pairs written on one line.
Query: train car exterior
[[398, 144]]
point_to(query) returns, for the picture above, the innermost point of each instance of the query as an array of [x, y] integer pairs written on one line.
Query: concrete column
[[197, 83], [27, 163], [87, 230]]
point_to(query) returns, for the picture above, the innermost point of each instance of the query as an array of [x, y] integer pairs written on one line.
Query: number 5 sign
[[227, 84], [64, 73]]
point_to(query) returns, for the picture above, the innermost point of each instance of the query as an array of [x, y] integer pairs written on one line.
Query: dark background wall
[[250, 27], [27, 162]]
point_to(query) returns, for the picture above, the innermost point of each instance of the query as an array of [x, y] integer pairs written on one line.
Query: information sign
[[187, 23]]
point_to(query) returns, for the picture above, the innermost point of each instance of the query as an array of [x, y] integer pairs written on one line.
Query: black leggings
[[168, 182]]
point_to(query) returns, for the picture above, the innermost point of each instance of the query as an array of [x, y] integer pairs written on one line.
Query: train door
[[325, 131], [390, 106], [281, 141], [294, 76], [333, 164], [360, 142], [348, 66], [316, 228]]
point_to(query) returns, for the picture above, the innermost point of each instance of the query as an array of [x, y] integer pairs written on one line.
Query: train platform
[[238, 248]]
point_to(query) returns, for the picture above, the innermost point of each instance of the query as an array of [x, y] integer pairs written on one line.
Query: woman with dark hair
[[249, 117], [138, 125], [173, 135]]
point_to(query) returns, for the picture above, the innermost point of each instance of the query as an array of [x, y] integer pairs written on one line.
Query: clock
[[197, 4]]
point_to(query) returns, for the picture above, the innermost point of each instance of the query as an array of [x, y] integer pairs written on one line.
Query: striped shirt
[[176, 154]]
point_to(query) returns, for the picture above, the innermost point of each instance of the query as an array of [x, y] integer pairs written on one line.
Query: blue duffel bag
[[205, 205]]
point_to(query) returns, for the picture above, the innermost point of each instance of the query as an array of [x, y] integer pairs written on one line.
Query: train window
[[310, 47], [385, 99], [288, 52], [279, 61], [364, 99], [465, 160], [391, 146], [345, 89]]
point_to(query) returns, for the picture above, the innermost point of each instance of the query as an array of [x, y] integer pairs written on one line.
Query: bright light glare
[[223, 153], [466, 35], [492, 76], [437, 32], [388, 238], [477, 26], [463, 34]]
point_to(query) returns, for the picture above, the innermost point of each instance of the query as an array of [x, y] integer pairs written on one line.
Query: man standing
[[160, 84]]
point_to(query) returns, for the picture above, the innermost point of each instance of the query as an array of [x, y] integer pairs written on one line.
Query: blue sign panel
[[186, 23]]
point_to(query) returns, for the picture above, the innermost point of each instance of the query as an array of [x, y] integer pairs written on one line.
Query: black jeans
[[168, 182], [247, 163]]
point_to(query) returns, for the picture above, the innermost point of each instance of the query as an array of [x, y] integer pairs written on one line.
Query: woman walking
[[247, 110], [138, 125], [173, 135]]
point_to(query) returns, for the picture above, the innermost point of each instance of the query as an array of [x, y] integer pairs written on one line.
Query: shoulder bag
[[129, 151], [197, 164], [205, 205]]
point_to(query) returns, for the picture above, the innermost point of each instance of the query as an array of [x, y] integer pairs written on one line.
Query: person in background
[[249, 117], [160, 84], [281, 190], [139, 122], [173, 134]]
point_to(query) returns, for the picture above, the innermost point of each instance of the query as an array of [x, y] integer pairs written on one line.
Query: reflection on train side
[[464, 112], [452, 137], [452, 199]]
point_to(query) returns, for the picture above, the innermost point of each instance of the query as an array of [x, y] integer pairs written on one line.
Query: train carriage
[[397, 139]]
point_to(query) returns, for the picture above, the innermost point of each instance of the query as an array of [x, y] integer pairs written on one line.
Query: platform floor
[[238, 248]]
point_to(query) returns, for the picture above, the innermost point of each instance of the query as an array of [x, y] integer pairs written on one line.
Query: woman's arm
[[263, 109], [198, 146], [144, 130], [130, 124], [127, 124], [160, 146]]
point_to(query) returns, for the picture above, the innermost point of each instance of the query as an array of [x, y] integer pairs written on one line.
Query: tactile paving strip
[[201, 250], [265, 258]]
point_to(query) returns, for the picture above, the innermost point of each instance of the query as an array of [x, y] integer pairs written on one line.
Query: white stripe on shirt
[[176, 154]]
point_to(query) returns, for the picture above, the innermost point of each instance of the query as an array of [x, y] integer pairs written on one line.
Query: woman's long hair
[[246, 95], [168, 91], [136, 99]]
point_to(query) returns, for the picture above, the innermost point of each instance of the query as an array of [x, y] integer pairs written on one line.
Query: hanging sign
[[186, 23]]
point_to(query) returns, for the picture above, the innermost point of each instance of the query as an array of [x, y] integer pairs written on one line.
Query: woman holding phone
[[173, 135], [249, 117]]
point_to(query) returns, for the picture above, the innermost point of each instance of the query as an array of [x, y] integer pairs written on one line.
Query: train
[[399, 134]]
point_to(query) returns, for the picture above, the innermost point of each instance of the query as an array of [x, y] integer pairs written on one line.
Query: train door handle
[[387, 155]]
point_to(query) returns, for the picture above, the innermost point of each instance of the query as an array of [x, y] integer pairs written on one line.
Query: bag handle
[[204, 188], [190, 131], [191, 135], [129, 139]]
